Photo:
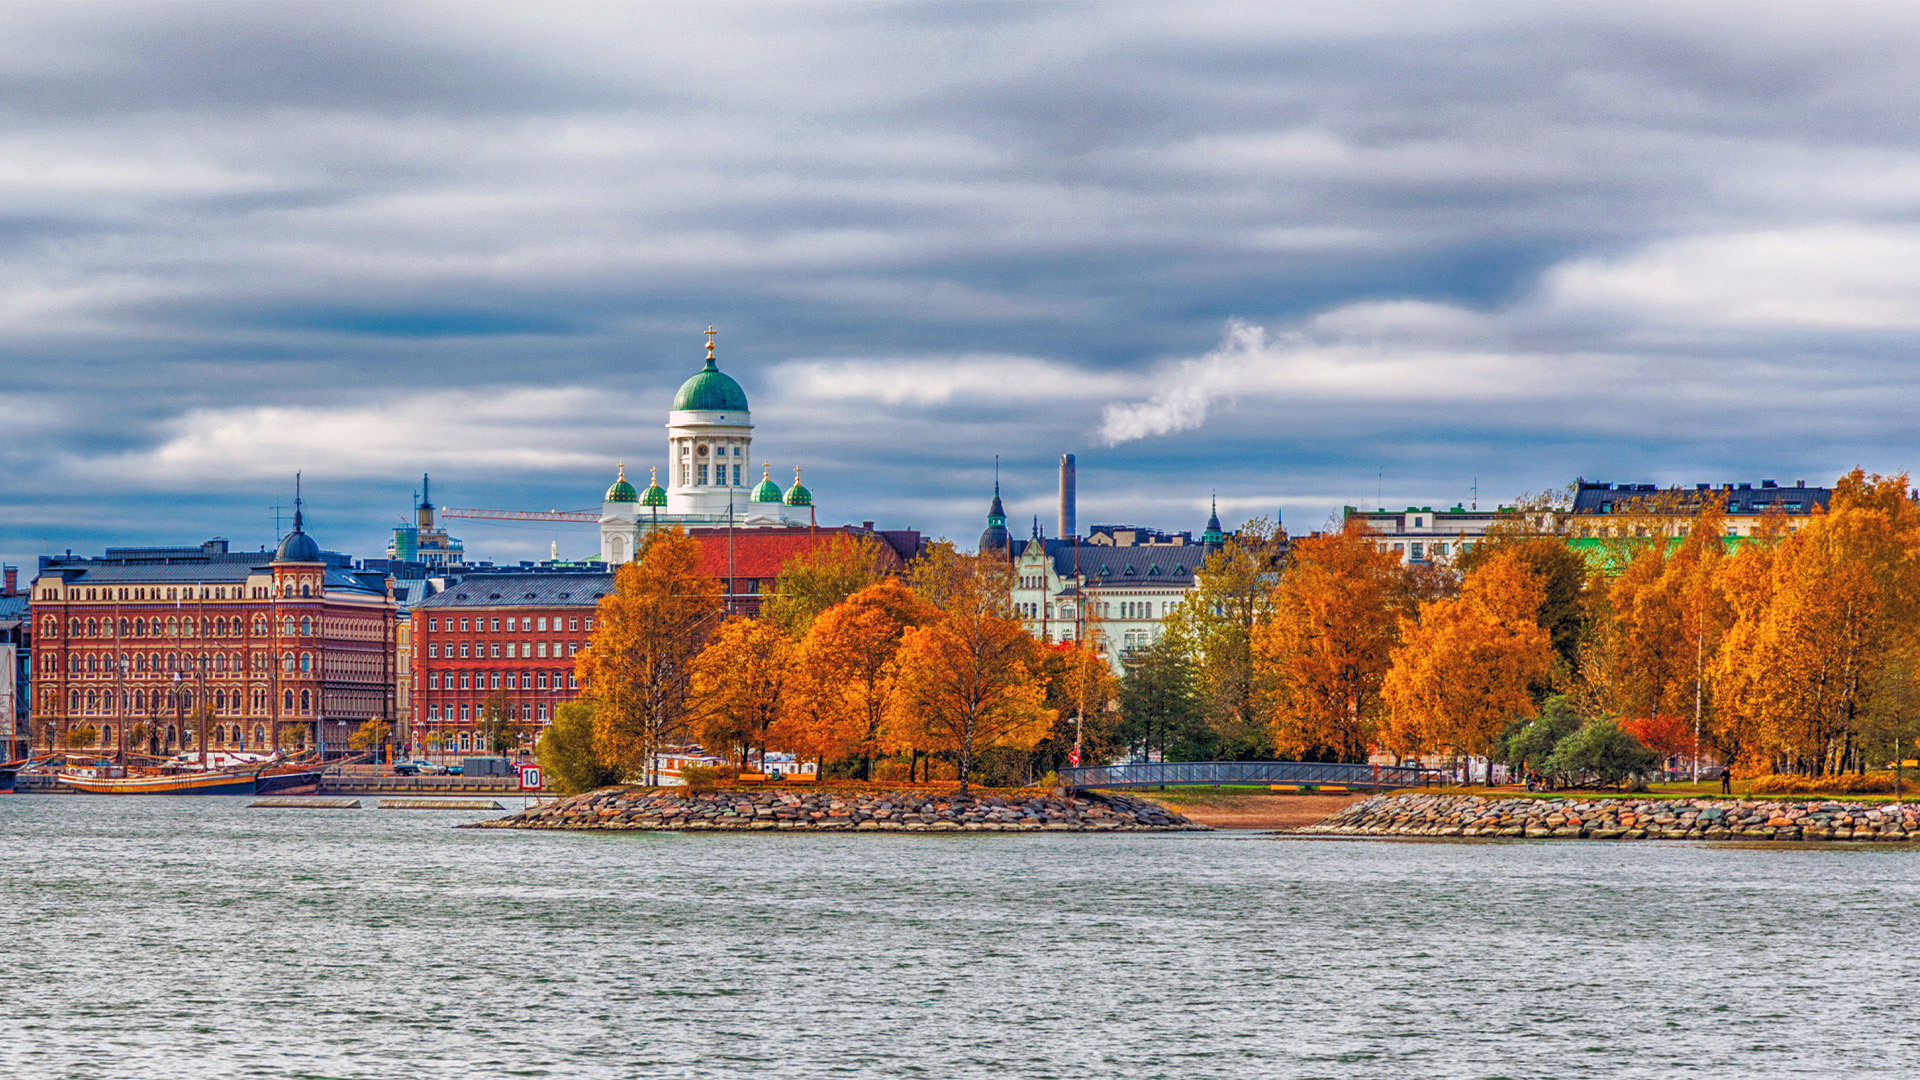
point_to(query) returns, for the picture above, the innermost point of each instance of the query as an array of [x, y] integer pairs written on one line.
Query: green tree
[[568, 755], [1231, 595], [1529, 742], [1159, 705], [1602, 751]]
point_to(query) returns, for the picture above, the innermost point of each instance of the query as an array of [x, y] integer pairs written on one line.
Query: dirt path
[[1231, 809]]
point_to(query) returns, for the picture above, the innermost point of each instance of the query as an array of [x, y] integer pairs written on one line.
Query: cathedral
[[710, 481]]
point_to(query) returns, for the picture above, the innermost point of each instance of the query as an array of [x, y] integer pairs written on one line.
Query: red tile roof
[[760, 553]]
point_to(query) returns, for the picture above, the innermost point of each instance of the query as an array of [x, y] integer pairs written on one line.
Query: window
[[510, 622], [433, 712], [573, 623], [701, 472], [543, 711], [496, 650], [464, 681], [543, 680], [463, 626], [496, 624], [433, 681], [466, 712], [543, 622], [306, 661], [433, 650], [510, 650], [571, 683], [736, 478], [433, 624], [543, 648], [306, 627], [464, 649], [513, 680]]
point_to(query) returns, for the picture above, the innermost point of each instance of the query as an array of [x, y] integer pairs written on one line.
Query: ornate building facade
[[146, 649]]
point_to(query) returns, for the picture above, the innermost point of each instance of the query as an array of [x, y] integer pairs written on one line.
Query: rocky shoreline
[[802, 810], [1622, 819]]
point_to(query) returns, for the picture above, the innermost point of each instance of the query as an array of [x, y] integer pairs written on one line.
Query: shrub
[[1600, 749], [567, 755], [699, 777], [1849, 784]]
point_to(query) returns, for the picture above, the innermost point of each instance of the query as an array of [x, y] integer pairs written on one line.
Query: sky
[[1295, 257]]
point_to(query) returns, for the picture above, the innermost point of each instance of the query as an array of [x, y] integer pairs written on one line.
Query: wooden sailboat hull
[[184, 784]]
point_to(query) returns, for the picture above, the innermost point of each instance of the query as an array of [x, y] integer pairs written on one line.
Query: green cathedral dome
[[621, 491], [798, 495], [655, 495], [711, 390], [768, 491]]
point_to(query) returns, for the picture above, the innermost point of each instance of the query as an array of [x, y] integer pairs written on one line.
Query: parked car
[[455, 770], [417, 768]]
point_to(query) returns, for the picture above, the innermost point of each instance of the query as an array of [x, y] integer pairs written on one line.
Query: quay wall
[[804, 810], [1625, 818]]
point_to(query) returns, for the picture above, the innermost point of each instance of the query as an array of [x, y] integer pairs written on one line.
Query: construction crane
[[520, 515]]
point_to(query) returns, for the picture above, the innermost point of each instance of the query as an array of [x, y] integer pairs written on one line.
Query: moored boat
[[224, 782]]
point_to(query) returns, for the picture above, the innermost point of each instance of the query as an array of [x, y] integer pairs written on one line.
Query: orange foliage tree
[[845, 677], [1323, 651], [970, 678], [1818, 655], [1462, 671], [739, 686], [639, 662], [1663, 733]]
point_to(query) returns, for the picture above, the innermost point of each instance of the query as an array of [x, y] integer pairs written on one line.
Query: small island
[[837, 809]]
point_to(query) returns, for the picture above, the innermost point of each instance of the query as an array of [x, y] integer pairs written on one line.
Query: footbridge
[[1214, 773]]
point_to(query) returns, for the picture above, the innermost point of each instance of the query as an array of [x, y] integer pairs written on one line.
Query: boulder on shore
[[800, 809]]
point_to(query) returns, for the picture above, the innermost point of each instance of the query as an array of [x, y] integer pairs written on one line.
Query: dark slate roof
[[208, 564], [1597, 498], [14, 608], [1147, 567], [522, 590]]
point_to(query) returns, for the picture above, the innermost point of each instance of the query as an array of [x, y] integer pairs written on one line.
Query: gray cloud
[[1511, 243]]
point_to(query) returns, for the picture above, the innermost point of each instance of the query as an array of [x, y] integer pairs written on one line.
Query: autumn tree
[[639, 664], [740, 686], [1082, 694], [969, 678], [1215, 621], [567, 751], [823, 576], [369, 736], [1462, 672], [844, 677], [1322, 653], [1809, 657]]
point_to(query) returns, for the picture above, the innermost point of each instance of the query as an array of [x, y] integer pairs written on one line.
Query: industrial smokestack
[[1069, 527]]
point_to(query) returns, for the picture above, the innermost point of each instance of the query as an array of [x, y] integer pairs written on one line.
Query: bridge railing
[[1195, 773]]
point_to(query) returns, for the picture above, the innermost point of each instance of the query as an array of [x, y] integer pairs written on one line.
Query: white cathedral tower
[[710, 480]]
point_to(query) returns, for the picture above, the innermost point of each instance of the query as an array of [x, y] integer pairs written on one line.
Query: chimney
[[13, 581], [1069, 527]]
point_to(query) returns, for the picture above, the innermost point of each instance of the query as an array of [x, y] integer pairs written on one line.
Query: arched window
[[289, 701], [286, 625], [93, 700], [93, 662], [93, 628], [73, 627], [126, 627], [306, 661], [219, 700], [73, 701], [50, 626], [306, 627], [306, 590], [306, 700], [173, 628], [259, 624], [259, 735]]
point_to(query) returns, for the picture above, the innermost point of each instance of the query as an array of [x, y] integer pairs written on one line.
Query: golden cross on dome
[[710, 332], [766, 470], [623, 470]]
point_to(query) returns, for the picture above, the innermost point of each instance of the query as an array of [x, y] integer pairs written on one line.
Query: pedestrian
[[1726, 780]]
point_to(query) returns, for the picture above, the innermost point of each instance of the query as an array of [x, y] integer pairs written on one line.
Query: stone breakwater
[[677, 809], [1622, 819]]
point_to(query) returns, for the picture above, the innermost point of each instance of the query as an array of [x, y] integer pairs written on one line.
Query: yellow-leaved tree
[[1462, 671], [814, 581], [638, 667], [1323, 652], [740, 686], [971, 677]]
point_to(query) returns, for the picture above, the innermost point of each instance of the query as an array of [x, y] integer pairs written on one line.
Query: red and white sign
[[1073, 755], [530, 778]]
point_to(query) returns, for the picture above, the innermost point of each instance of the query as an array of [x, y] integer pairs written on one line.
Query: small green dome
[[655, 495], [768, 491], [710, 390], [798, 495], [621, 491]]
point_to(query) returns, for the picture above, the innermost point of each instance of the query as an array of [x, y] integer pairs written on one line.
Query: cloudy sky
[[1303, 256]]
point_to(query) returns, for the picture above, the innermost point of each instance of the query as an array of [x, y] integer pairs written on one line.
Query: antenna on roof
[[1476, 493]]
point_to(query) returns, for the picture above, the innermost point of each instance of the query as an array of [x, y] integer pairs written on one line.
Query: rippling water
[[198, 938]]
